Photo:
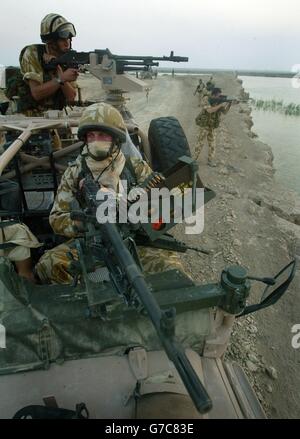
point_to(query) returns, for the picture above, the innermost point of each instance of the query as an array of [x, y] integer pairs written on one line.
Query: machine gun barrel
[[144, 58], [74, 59], [117, 254]]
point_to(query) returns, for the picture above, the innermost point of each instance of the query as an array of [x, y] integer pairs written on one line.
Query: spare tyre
[[167, 142]]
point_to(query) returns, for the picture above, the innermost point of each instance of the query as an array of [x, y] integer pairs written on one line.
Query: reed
[[290, 109]]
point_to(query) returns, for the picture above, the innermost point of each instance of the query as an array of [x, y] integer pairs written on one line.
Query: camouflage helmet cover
[[54, 26], [102, 117]]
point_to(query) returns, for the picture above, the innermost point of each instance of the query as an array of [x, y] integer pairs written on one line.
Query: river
[[279, 131]]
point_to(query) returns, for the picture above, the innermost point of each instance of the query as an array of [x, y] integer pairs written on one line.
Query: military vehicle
[[115, 344]]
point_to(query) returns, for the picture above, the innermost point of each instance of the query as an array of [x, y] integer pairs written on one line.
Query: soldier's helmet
[[102, 117], [54, 26]]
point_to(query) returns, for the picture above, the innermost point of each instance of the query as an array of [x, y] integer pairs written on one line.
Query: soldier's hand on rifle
[[68, 75]]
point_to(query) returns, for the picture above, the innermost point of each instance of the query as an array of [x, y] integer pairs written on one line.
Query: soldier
[[42, 90], [210, 84], [16, 241], [38, 91], [200, 90], [209, 120], [103, 130]]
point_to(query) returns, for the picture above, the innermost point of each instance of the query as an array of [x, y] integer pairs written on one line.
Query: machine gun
[[225, 99], [113, 244], [128, 281], [124, 63], [112, 70]]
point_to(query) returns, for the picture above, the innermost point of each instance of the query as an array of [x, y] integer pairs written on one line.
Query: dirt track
[[251, 222]]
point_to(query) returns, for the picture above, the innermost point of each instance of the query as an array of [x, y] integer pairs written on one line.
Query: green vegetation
[[278, 106]]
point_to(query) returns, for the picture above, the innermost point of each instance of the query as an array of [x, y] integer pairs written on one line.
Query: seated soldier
[[103, 130], [16, 241], [42, 89]]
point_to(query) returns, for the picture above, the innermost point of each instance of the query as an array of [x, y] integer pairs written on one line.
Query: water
[[281, 132]]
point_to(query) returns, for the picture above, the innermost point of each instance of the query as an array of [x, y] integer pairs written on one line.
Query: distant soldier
[[210, 84], [200, 90], [209, 120]]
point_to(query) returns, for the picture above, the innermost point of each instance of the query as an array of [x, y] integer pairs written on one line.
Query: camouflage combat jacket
[[59, 219], [31, 63], [208, 120]]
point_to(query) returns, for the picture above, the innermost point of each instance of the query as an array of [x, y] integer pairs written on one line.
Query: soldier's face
[[64, 44]]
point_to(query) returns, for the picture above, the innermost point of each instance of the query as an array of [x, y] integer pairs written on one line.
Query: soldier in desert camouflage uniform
[[210, 85], [103, 130], [44, 90], [209, 120], [16, 240], [38, 91], [200, 91]]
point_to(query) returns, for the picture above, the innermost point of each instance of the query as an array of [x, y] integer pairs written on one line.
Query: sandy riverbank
[[252, 222]]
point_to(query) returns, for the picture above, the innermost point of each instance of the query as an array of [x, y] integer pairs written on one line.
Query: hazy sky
[[244, 34]]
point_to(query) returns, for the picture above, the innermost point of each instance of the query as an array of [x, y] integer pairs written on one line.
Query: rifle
[[108, 244], [124, 63], [225, 99]]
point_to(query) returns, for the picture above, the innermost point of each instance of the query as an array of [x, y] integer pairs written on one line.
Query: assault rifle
[[124, 63], [111, 245], [225, 99]]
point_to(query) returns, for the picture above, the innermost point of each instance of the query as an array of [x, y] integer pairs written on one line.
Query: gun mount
[[113, 70]]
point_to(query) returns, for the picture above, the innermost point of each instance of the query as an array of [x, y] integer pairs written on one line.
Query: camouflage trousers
[[209, 134], [54, 267], [200, 98]]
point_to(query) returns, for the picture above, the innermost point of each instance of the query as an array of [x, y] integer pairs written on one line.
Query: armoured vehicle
[[115, 344]]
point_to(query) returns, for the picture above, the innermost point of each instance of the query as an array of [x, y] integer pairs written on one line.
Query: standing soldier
[[38, 90], [210, 85], [209, 120], [200, 90], [42, 90]]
